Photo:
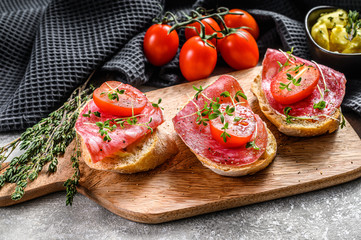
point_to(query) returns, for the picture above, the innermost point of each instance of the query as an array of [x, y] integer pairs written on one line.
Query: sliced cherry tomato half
[[241, 127], [239, 50], [197, 59], [211, 26], [294, 83], [119, 99], [245, 20], [159, 46]]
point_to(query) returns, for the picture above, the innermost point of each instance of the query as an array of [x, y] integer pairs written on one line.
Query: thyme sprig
[[353, 24], [72, 182], [44, 143]]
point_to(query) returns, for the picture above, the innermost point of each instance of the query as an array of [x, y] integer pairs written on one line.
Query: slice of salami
[[335, 81], [198, 137], [121, 137]]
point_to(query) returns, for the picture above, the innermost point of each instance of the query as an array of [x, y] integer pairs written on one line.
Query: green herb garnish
[[253, 145], [43, 143], [352, 24]]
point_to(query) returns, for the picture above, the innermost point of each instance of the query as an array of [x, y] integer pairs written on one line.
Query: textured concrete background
[[332, 213]]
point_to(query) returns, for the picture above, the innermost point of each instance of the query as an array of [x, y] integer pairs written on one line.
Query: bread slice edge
[[145, 154], [237, 171]]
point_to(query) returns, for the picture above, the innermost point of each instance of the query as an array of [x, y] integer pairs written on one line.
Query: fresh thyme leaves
[[289, 56], [156, 105], [320, 105], [352, 24], [72, 182], [343, 121], [253, 145], [44, 143], [199, 91], [289, 118], [97, 114]]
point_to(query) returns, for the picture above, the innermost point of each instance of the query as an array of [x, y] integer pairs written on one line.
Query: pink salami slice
[[198, 137], [121, 137], [335, 81]]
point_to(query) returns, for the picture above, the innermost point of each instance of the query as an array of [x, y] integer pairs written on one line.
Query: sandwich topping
[[118, 116], [300, 89], [219, 124]]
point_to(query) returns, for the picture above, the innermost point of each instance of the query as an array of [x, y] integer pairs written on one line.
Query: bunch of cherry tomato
[[231, 32]]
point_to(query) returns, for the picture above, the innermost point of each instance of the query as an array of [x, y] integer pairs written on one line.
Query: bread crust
[[237, 171], [298, 127], [143, 155]]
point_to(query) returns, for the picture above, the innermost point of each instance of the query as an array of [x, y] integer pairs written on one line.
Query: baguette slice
[[237, 171], [299, 127], [143, 155]]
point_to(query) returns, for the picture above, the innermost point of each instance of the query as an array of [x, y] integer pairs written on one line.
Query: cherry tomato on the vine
[[159, 46], [283, 86], [240, 127], [239, 50], [197, 59], [119, 99], [210, 27], [245, 20]]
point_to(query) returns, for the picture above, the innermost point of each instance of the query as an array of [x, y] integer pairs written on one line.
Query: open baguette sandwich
[[301, 98], [119, 132], [222, 131]]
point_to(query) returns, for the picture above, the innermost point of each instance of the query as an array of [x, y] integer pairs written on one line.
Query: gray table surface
[[332, 213]]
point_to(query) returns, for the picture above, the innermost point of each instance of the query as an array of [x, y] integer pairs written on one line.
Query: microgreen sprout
[[289, 57], [96, 113], [224, 134], [289, 118], [156, 105], [253, 145], [199, 91]]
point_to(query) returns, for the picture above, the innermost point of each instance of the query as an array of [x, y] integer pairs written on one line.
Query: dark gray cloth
[[49, 47]]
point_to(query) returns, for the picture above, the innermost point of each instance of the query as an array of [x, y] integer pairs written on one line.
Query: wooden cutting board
[[182, 187]]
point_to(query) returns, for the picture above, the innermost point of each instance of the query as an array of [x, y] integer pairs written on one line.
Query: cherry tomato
[[240, 127], [210, 27], [283, 89], [197, 59], [245, 20], [120, 99], [159, 46], [239, 50]]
